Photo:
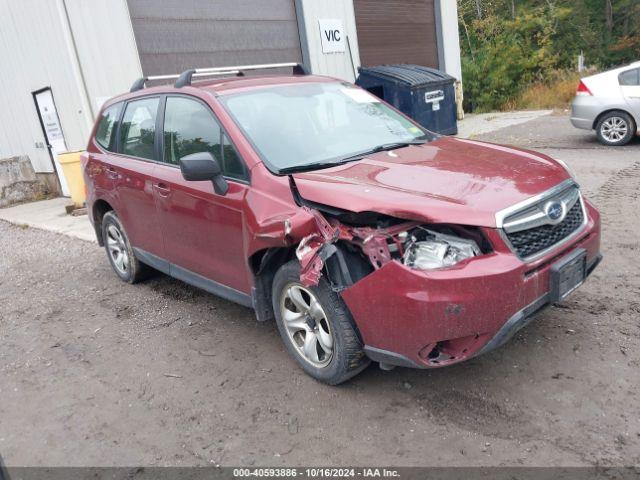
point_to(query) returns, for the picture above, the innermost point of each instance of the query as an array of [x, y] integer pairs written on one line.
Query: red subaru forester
[[315, 203]]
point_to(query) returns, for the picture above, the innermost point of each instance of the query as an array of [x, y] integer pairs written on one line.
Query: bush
[[520, 53], [556, 92]]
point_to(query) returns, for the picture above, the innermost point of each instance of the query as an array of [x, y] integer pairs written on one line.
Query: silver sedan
[[609, 103]]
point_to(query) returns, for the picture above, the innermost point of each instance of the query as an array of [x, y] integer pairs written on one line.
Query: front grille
[[534, 240]]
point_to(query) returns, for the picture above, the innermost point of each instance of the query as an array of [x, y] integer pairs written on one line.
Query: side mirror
[[203, 166]]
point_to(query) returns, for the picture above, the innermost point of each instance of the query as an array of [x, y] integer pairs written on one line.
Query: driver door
[[202, 231]]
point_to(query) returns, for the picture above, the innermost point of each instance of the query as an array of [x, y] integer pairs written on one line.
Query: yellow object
[[72, 170]]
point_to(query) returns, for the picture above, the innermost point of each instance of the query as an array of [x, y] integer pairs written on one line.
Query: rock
[[292, 425]]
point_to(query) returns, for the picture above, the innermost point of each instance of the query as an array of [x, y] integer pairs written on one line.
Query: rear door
[[630, 85], [131, 170], [203, 231], [100, 179]]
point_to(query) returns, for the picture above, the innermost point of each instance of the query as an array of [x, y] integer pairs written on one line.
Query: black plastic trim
[[193, 278], [185, 78], [138, 84], [591, 266], [152, 260], [389, 358], [518, 321]]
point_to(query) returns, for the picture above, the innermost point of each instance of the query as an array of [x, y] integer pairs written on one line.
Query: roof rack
[[184, 78]]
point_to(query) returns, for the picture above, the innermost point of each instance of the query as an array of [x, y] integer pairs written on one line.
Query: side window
[[630, 77], [105, 135], [190, 127], [232, 164], [138, 128]]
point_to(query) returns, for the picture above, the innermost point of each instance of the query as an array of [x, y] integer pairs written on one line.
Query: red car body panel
[[398, 310], [202, 231], [448, 180], [128, 183], [470, 301]]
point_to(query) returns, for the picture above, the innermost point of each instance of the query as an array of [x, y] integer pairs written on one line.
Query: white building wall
[[106, 47], [448, 37], [38, 50], [340, 65]]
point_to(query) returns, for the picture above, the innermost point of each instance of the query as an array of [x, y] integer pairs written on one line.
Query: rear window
[[137, 133], [630, 77], [106, 133]]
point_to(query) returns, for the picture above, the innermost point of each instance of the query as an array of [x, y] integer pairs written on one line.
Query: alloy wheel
[[117, 249], [307, 325], [614, 129]]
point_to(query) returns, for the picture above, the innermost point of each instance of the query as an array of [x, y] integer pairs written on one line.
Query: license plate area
[[568, 274]]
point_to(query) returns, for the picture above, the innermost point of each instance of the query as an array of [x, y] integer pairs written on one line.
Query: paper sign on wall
[[332, 35]]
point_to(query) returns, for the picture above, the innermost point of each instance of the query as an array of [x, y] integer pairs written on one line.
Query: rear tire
[[316, 327], [615, 128], [119, 251]]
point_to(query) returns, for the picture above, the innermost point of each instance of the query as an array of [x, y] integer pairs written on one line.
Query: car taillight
[[583, 89]]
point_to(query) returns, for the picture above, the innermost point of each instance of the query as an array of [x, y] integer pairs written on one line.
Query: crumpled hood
[[448, 180]]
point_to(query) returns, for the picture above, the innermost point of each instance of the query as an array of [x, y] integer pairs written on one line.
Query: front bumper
[[431, 319]]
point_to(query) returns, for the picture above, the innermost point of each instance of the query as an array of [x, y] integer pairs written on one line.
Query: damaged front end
[[378, 245], [406, 282], [379, 271], [411, 243]]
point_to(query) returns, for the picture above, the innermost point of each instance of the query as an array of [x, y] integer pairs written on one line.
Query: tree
[[505, 46]]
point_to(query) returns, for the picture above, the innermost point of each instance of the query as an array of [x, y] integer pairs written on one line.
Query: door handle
[[162, 189]]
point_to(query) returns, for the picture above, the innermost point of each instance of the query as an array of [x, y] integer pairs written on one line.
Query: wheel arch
[[264, 264], [98, 210], [342, 269], [611, 110]]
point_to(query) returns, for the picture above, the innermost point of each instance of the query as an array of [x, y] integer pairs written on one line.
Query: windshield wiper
[[309, 166], [351, 158], [381, 148]]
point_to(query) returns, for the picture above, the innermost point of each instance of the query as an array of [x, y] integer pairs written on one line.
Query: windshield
[[306, 126]]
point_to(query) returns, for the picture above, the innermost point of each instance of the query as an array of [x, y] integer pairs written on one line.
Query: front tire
[[615, 128], [119, 251], [316, 327]]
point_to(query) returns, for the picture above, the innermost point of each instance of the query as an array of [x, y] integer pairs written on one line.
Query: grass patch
[[555, 92]]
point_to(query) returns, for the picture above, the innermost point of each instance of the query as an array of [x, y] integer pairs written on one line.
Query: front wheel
[[316, 327], [615, 129]]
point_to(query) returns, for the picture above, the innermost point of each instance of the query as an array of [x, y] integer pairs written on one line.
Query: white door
[[630, 85], [53, 132]]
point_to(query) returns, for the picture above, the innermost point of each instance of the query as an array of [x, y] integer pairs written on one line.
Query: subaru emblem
[[554, 211]]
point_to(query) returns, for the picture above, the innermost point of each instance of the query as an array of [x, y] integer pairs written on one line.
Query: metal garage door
[[396, 31], [174, 35]]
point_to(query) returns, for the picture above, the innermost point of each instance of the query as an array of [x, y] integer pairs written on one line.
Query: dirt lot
[[96, 372]]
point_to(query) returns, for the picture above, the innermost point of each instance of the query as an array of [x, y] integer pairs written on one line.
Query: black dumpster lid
[[411, 75]]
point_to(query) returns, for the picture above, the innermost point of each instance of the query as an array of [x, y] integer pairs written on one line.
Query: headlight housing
[[438, 250]]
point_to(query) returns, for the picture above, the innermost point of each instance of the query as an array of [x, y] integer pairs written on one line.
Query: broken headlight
[[437, 250]]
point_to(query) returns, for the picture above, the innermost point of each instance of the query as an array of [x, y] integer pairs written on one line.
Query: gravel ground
[[97, 372]]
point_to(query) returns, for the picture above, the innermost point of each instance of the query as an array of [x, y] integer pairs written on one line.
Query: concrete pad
[[478, 124], [50, 215]]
